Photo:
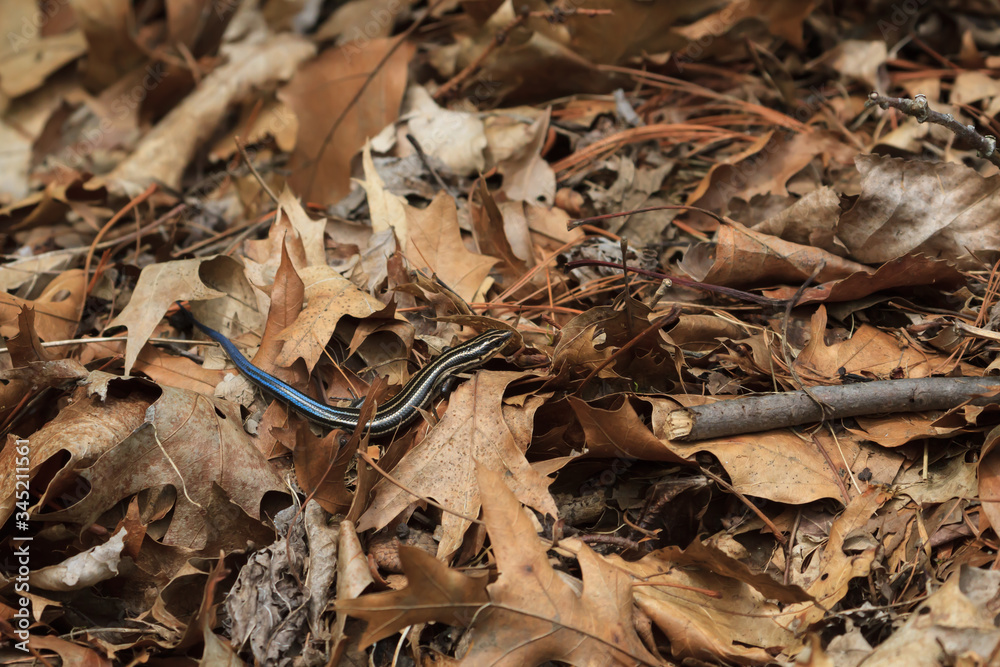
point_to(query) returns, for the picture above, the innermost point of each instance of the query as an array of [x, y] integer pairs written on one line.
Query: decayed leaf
[[443, 465], [860, 59], [731, 87], [766, 166], [275, 602], [84, 569], [69, 652], [535, 614], [29, 56], [434, 592], [955, 479], [900, 429], [217, 651], [906, 271], [112, 50], [809, 221], [187, 441], [353, 573], [740, 257], [706, 616], [989, 477], [456, 138], [909, 206], [526, 176], [783, 18], [778, 465], [321, 469], [85, 429], [828, 580], [956, 620]]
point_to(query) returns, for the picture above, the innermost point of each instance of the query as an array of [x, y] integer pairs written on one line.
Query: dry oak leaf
[[434, 592], [940, 210], [354, 574], [191, 442], [70, 653], [536, 614], [329, 297], [706, 615], [835, 569], [766, 166], [777, 465], [989, 477], [956, 620], [310, 232], [620, 433], [161, 284], [57, 308], [85, 429], [442, 466], [527, 176], [905, 271], [435, 243], [869, 351], [430, 237]]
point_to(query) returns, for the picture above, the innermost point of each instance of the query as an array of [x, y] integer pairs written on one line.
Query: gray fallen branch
[[751, 414]]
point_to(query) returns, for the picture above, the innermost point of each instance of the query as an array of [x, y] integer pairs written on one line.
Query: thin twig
[[253, 170], [684, 282], [919, 108], [786, 350], [746, 501]]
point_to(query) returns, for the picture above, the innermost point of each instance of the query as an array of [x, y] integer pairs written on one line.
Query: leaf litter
[[685, 212]]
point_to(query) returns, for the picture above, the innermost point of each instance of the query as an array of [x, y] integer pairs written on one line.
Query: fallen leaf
[[956, 620], [442, 466], [188, 441], [82, 570], [434, 592], [331, 130], [57, 308], [940, 210], [534, 614], [165, 151]]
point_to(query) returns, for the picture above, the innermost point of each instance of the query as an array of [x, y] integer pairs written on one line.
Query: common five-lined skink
[[399, 410]]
